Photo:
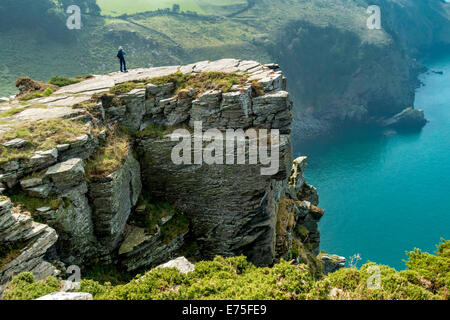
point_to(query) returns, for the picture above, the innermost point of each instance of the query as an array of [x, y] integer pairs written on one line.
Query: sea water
[[384, 193]]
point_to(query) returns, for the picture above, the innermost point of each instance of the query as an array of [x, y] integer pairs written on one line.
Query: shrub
[[24, 287], [432, 271], [30, 89], [394, 285], [38, 94], [63, 81], [236, 279]]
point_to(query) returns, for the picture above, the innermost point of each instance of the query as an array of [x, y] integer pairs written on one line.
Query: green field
[[119, 7]]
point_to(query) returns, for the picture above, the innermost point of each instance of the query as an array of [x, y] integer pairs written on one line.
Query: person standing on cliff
[[121, 55]]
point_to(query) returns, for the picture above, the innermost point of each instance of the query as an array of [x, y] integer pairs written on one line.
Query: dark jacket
[[121, 54]]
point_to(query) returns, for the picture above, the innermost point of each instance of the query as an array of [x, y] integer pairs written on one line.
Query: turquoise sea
[[386, 194]]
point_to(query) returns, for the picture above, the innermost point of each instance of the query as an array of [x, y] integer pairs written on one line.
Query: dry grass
[[109, 157], [9, 252], [257, 89], [125, 87], [11, 112], [40, 135], [30, 89], [202, 81]]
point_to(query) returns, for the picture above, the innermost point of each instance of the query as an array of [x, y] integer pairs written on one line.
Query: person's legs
[[121, 64], [124, 65]]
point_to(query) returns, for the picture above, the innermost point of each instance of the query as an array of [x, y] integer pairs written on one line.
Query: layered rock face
[[32, 239], [112, 199], [141, 212]]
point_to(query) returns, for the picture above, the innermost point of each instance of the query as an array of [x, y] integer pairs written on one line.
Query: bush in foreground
[[427, 278]]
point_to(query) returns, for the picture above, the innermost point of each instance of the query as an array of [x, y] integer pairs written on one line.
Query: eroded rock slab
[[67, 296]]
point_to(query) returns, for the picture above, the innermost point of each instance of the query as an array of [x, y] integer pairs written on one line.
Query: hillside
[[332, 59], [213, 7]]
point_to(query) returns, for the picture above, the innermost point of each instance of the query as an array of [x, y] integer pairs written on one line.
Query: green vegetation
[[37, 94], [177, 226], [202, 81], [10, 112], [427, 277], [125, 87], [63, 81], [107, 274], [149, 215], [118, 7], [24, 287], [292, 239], [31, 204], [88, 106], [153, 130], [110, 156], [40, 135], [235, 278]]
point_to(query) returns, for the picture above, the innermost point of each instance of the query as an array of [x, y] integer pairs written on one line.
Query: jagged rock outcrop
[[144, 248], [332, 263], [408, 119], [228, 208], [298, 235], [112, 198], [24, 244], [181, 264]]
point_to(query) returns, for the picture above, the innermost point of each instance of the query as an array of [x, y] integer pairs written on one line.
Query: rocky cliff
[[87, 172]]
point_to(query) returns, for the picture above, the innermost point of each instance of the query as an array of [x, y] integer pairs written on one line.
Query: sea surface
[[385, 194]]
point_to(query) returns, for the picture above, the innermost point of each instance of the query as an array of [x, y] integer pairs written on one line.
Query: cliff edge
[[88, 173]]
